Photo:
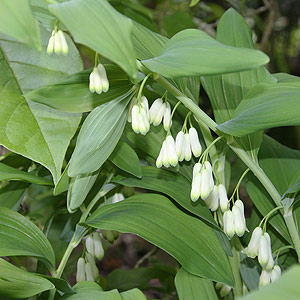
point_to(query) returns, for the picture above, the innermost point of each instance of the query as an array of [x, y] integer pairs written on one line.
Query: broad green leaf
[[134, 294], [78, 190], [17, 283], [98, 136], [125, 158], [250, 272], [172, 184], [17, 21], [265, 106], [99, 26], [286, 78], [73, 95], [138, 278], [20, 237], [286, 287], [27, 128], [192, 287], [60, 284], [192, 52], [91, 290], [226, 91], [9, 173], [159, 221], [280, 164], [62, 183], [11, 195]]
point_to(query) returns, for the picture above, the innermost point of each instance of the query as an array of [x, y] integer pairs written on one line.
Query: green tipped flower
[[239, 218], [195, 144], [213, 199], [179, 144], [98, 248], [228, 223], [171, 151], [98, 81], [264, 250], [167, 117], [140, 116], [265, 278], [80, 274], [252, 249], [223, 197]]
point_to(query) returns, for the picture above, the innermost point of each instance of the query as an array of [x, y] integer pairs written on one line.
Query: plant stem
[[234, 262], [241, 153]]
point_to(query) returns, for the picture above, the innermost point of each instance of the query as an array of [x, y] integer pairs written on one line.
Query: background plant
[[123, 143]]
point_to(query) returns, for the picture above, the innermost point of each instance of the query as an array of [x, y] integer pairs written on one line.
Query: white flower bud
[[159, 160], [196, 185], [263, 251], [252, 249], [145, 106], [108, 235], [117, 197], [225, 290], [50, 47], [228, 223], [223, 198], [89, 272], [180, 145], [144, 124], [158, 117], [275, 273], [57, 44], [265, 278], [165, 154], [92, 82], [63, 42], [167, 118], [205, 189], [270, 263], [208, 167], [195, 144], [213, 199], [98, 248], [103, 78], [80, 274], [239, 218], [196, 168], [155, 108], [89, 244], [135, 119], [171, 150], [91, 261], [187, 147]]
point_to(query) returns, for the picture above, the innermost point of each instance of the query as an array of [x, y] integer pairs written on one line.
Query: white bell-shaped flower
[[264, 250], [228, 224], [212, 200], [275, 273], [80, 274], [196, 186], [92, 263], [223, 198], [265, 278], [195, 144], [180, 145], [253, 246], [159, 160], [63, 43], [196, 169], [171, 151], [98, 248], [167, 117], [98, 81], [165, 156], [103, 77], [187, 147], [140, 117], [157, 111], [89, 244], [205, 189], [57, 44], [134, 118], [270, 263], [89, 274], [50, 47], [208, 167], [117, 197], [239, 218]]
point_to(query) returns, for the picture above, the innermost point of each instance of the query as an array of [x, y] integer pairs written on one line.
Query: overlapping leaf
[[157, 220]]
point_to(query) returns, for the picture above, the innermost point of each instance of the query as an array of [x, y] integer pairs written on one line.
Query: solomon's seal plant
[[115, 137]]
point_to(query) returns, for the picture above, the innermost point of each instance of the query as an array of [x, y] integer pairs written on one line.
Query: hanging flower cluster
[[86, 267], [140, 116], [260, 246], [98, 80], [160, 111], [57, 43]]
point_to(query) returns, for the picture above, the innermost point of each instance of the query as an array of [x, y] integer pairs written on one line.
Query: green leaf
[[192, 287], [17, 283], [99, 26], [286, 287], [78, 190], [91, 290], [11, 195], [60, 284], [98, 136], [194, 2], [125, 158], [20, 237], [192, 52], [73, 94], [250, 272], [172, 184], [286, 78], [9, 173], [134, 294], [280, 164], [226, 91], [265, 106], [17, 21], [157, 220], [31, 129]]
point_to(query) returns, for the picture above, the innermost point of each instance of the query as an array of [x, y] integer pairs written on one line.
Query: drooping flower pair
[[140, 116], [161, 111], [167, 155], [98, 81], [57, 43], [234, 220]]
